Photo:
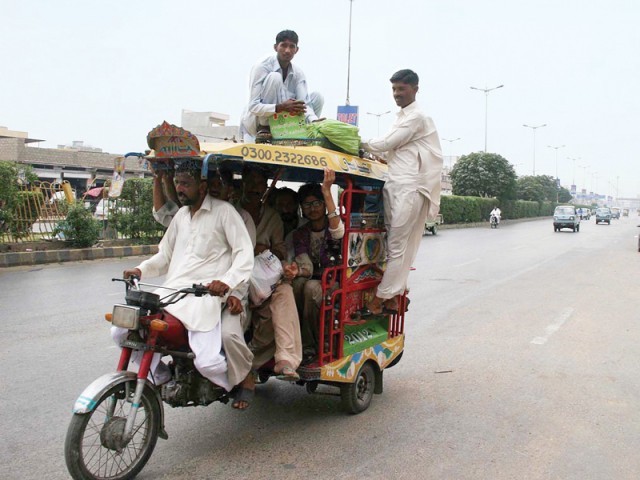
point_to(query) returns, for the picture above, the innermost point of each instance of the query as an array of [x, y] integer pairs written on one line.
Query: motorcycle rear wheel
[[91, 446]]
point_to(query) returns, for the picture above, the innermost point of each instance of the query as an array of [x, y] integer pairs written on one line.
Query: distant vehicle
[[603, 214], [615, 213], [625, 212], [432, 225], [585, 213], [565, 216]]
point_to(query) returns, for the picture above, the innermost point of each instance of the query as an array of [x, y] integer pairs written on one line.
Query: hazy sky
[[106, 72]]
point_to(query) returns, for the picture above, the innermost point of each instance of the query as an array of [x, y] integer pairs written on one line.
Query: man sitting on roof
[[277, 86]]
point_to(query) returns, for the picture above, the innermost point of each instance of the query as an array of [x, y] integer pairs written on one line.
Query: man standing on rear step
[[412, 192], [277, 86]]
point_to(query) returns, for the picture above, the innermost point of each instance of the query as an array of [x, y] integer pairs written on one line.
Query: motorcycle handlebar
[[197, 289]]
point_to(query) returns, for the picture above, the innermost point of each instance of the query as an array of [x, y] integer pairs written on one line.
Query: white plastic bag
[[267, 272]]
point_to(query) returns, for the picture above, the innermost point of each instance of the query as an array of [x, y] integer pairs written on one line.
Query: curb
[[17, 259]]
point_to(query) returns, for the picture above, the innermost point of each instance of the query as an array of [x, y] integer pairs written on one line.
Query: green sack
[[339, 133]]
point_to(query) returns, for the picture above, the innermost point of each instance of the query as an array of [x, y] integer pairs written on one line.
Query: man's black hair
[[310, 190], [283, 192], [287, 35], [190, 167], [226, 175], [249, 169], [405, 76]]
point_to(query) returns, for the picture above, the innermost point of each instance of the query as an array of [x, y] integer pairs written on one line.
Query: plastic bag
[[341, 134], [265, 277]]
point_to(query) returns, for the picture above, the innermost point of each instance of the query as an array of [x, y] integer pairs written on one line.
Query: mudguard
[[88, 399]]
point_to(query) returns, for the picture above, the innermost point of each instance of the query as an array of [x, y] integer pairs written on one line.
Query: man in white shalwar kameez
[[275, 86], [207, 242], [412, 192]]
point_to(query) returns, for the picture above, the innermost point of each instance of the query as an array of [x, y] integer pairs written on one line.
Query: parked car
[[603, 214], [565, 216]]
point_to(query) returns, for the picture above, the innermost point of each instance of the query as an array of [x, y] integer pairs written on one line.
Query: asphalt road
[[521, 362]]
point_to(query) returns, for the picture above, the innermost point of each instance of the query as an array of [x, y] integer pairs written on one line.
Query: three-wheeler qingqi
[[118, 418]]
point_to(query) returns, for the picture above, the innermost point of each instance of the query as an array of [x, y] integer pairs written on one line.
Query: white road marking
[[113, 294], [467, 263], [553, 327]]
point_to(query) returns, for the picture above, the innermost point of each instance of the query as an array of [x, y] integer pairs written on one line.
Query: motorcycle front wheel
[[94, 448]]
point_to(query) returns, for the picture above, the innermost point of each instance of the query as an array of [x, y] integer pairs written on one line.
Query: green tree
[[80, 229], [541, 188], [564, 195], [483, 175], [133, 217], [12, 177]]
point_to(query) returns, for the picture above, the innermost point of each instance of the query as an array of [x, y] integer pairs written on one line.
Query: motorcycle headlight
[[126, 316]]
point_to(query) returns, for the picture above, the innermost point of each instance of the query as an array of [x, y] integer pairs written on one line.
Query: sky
[[107, 72]]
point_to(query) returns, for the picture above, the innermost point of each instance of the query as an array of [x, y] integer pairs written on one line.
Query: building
[[82, 166], [209, 127]]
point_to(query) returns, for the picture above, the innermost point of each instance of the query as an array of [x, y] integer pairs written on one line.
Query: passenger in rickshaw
[[165, 199], [315, 243], [412, 192], [277, 86], [285, 201], [276, 325], [235, 317]]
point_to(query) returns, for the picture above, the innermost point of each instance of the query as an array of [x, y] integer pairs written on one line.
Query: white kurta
[[414, 157], [213, 245], [295, 86], [412, 192]]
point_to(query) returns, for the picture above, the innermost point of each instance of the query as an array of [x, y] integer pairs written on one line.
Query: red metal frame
[[338, 304]]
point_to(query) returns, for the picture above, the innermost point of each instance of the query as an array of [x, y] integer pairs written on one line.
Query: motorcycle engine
[[190, 389]]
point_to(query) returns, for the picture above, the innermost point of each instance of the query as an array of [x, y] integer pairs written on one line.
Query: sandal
[[364, 312], [287, 373], [263, 135]]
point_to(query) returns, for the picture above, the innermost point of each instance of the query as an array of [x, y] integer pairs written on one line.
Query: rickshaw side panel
[[345, 369]]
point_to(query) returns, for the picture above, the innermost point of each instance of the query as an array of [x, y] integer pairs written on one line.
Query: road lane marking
[[467, 263], [553, 327]]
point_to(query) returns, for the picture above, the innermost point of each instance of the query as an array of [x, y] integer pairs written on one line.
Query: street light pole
[[556, 147], [450, 142], [349, 54], [534, 128], [584, 176], [486, 107], [379, 115], [574, 167]]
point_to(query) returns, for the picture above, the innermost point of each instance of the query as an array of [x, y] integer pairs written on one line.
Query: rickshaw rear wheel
[[357, 396]]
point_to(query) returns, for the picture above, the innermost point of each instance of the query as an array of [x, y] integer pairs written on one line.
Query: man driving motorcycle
[[207, 242], [495, 213]]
